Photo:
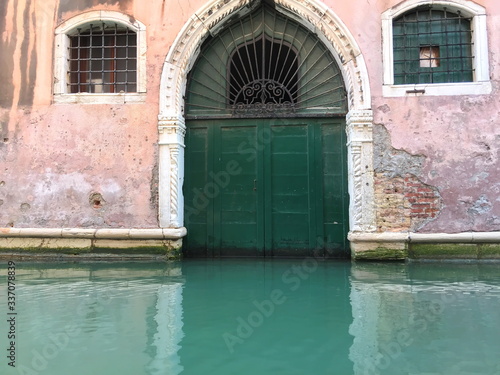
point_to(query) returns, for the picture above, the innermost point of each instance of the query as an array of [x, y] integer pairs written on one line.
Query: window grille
[[432, 46], [103, 59]]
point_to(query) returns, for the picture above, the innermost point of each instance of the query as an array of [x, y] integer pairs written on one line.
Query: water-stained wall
[[75, 165], [95, 165]]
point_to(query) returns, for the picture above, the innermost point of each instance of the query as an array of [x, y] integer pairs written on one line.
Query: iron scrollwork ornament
[[263, 96]]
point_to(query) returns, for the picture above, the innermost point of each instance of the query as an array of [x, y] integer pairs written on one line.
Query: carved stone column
[[171, 171], [360, 168]]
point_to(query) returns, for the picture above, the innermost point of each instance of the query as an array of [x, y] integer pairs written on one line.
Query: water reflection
[[425, 319], [255, 316], [97, 319], [168, 335], [266, 317]]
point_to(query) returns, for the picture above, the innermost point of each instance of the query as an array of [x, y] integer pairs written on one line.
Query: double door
[[266, 187]]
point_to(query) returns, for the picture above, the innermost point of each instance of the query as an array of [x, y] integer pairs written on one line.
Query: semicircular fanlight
[[264, 65], [255, 84]]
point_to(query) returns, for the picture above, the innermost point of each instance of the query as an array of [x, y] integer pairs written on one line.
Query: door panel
[[236, 213], [196, 206], [289, 189], [335, 199], [266, 187]]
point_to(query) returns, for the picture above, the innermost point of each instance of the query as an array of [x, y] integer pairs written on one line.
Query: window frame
[[481, 78], [61, 92]]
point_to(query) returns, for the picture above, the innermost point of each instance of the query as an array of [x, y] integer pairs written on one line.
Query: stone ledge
[[78, 243], [82, 257], [378, 237], [408, 245], [104, 233], [464, 237], [449, 251]]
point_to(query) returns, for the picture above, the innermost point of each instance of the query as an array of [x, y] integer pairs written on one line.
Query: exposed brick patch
[[404, 203]]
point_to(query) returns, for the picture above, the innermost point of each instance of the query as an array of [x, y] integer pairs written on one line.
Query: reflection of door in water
[[265, 187], [265, 169]]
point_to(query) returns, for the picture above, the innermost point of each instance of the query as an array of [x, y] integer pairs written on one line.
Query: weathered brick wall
[[404, 203]]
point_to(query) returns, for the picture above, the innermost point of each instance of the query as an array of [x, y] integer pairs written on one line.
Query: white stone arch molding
[[314, 15]]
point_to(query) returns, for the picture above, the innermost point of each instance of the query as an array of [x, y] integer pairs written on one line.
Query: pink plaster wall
[[53, 157], [458, 135]]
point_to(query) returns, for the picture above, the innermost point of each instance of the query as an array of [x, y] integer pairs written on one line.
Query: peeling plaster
[[404, 202], [393, 162], [480, 206]]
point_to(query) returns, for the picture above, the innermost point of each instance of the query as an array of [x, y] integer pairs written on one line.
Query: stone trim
[[412, 237], [104, 233], [360, 170], [479, 246], [90, 244], [171, 176]]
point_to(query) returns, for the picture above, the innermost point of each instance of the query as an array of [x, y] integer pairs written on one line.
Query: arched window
[[100, 57]]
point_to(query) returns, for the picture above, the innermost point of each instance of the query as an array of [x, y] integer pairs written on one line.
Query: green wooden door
[[266, 187]]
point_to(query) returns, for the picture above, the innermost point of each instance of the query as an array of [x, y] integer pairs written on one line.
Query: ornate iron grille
[[432, 46], [263, 76], [103, 59], [264, 65]]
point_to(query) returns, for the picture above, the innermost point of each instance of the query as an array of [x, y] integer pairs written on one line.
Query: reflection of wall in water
[[406, 319], [100, 306]]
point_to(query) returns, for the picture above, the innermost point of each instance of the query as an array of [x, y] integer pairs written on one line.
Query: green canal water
[[251, 317]]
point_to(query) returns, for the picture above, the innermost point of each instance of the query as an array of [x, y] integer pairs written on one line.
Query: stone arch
[[312, 14]]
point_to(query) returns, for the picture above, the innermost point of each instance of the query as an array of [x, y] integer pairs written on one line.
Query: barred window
[[103, 59], [435, 48], [100, 57], [432, 46]]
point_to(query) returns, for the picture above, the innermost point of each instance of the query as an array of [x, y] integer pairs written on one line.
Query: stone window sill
[[85, 98]]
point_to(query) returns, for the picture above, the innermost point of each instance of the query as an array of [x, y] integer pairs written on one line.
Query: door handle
[[254, 185]]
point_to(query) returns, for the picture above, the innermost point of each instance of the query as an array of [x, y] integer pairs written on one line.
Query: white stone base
[[92, 242], [397, 246]]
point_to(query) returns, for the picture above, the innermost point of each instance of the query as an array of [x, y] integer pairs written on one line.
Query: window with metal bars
[[102, 59], [432, 46]]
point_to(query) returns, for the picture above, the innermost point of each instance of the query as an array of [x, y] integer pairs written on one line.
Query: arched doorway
[[266, 154], [329, 28]]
